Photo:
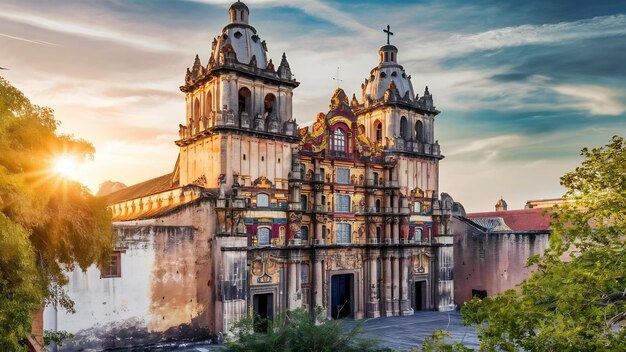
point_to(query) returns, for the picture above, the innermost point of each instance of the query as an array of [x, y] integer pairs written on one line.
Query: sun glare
[[65, 166]]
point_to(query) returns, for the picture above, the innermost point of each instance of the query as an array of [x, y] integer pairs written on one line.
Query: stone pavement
[[405, 333], [402, 333]]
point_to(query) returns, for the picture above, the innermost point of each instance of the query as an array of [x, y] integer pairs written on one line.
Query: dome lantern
[[239, 13]]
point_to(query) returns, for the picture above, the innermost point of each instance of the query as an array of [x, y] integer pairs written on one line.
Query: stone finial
[[426, 92], [501, 205], [284, 71], [270, 66], [354, 103]]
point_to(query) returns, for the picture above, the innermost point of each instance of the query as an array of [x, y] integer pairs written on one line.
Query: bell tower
[[239, 111]]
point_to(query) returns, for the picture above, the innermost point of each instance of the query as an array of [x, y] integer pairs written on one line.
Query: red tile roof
[[155, 185], [519, 220]]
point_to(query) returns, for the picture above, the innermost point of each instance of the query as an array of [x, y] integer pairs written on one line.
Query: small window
[[279, 160], [262, 200], [263, 236], [262, 158], [418, 234], [343, 176], [378, 205], [115, 266], [304, 273], [376, 176], [339, 141], [379, 131], [342, 203], [244, 157], [417, 207], [304, 233], [344, 233], [479, 293], [304, 201]]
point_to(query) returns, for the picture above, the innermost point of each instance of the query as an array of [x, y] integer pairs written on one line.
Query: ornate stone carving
[[344, 261]]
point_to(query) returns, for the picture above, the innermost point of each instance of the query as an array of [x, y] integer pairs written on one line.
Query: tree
[[48, 223], [295, 331], [576, 298]]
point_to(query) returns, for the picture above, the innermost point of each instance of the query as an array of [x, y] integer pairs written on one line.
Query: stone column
[[292, 290], [387, 284], [396, 230], [373, 308], [388, 222], [405, 304], [396, 285], [318, 281]]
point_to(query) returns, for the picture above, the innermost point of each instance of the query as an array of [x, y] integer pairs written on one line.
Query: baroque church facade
[[261, 216]]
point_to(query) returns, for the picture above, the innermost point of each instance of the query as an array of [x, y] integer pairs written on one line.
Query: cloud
[[314, 8], [33, 41], [596, 100], [460, 44], [489, 145], [86, 30]]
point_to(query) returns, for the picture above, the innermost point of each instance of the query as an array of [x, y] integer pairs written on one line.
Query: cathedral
[[261, 216]]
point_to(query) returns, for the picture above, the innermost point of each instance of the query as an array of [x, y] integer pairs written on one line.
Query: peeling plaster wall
[[164, 292]]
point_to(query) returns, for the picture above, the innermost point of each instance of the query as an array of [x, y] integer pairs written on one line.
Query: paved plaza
[[402, 333]]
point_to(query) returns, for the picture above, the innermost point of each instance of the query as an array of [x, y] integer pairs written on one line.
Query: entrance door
[[420, 295], [341, 295], [263, 308]]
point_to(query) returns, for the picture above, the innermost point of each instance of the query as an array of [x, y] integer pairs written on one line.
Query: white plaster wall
[[101, 301]]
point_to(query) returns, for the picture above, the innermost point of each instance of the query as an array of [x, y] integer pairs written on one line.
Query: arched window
[[419, 131], [245, 101], [378, 205], [262, 200], [339, 141], [386, 57], [304, 233], [270, 101], [263, 236], [196, 115], [209, 103], [343, 233], [378, 127], [404, 131], [418, 235]]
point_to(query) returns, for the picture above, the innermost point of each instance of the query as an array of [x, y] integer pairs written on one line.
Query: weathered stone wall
[[491, 262]]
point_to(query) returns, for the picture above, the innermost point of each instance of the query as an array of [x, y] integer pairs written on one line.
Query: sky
[[522, 86]]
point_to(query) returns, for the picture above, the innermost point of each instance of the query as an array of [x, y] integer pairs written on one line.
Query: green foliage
[[437, 343], [56, 337], [48, 223], [296, 331], [20, 290], [576, 298]]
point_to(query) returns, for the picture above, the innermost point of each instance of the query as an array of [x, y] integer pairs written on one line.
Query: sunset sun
[[65, 166]]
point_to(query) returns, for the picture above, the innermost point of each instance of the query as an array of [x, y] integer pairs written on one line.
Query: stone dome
[[241, 38], [387, 71]]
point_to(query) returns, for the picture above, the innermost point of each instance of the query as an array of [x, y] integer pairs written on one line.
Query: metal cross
[[388, 33], [337, 79]]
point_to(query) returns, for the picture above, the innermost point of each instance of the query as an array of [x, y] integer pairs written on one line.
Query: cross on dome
[[389, 33]]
